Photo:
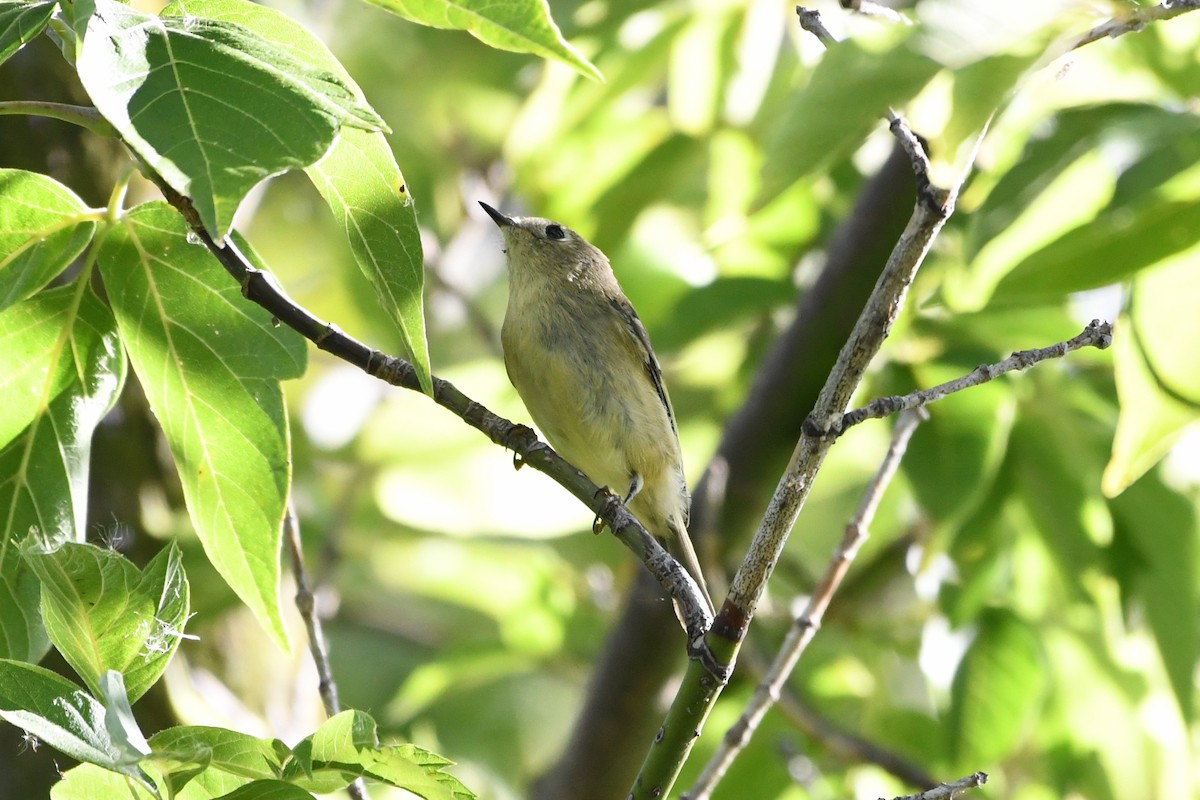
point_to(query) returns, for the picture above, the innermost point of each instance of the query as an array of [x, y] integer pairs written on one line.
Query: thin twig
[[806, 625], [1133, 20], [1097, 334], [949, 790], [306, 604]]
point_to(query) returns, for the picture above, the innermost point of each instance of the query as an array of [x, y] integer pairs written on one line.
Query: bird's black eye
[[555, 232]]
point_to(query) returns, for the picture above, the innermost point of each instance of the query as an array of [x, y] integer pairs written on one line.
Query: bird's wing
[[649, 361]]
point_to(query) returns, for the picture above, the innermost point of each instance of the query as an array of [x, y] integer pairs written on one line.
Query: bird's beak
[[497, 217]]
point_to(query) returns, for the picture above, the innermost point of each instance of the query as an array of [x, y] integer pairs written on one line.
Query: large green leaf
[[211, 106], [41, 232], [210, 363], [20, 22], [523, 26], [1153, 416], [954, 457], [104, 614], [998, 689], [1112, 247], [850, 91], [362, 184], [88, 781], [1159, 525], [359, 179], [67, 370], [63, 716], [221, 750]]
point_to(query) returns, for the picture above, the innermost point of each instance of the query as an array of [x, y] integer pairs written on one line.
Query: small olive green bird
[[580, 358]]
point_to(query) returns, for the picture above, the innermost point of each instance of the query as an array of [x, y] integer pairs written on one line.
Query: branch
[[1097, 334], [306, 604], [260, 287], [805, 626], [949, 790], [1134, 20]]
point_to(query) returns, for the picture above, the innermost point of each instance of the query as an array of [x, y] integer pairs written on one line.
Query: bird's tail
[[681, 546]]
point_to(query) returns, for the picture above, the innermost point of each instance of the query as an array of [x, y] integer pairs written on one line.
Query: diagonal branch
[[948, 791]]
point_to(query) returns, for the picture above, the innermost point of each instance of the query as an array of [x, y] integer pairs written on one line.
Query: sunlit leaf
[[67, 369], [523, 26], [103, 613], [210, 362], [211, 106], [1160, 526], [60, 714], [347, 746], [1112, 247], [20, 22], [41, 232], [1152, 417], [861, 85], [360, 181]]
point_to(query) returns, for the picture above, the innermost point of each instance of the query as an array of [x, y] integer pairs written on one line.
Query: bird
[[581, 360]]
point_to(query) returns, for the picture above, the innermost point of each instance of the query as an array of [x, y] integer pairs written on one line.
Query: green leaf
[[88, 782], [267, 790], [62, 715], [997, 691], [363, 186], [1166, 328], [1160, 526], [67, 369], [19, 23], [359, 179], [1152, 418], [222, 750], [104, 614], [1112, 247], [522, 26], [1054, 451], [346, 746], [211, 106], [955, 456], [861, 85], [41, 231], [210, 362]]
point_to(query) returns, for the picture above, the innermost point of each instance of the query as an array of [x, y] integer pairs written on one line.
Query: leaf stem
[[83, 116]]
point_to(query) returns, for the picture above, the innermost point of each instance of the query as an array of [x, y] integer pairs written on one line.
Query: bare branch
[[306, 604], [949, 790], [1135, 19], [1097, 334], [808, 623]]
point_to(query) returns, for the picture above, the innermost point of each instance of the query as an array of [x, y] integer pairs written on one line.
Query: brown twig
[[949, 790], [306, 604], [1097, 334]]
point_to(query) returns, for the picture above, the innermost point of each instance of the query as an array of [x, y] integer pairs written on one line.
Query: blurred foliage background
[[1027, 604]]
